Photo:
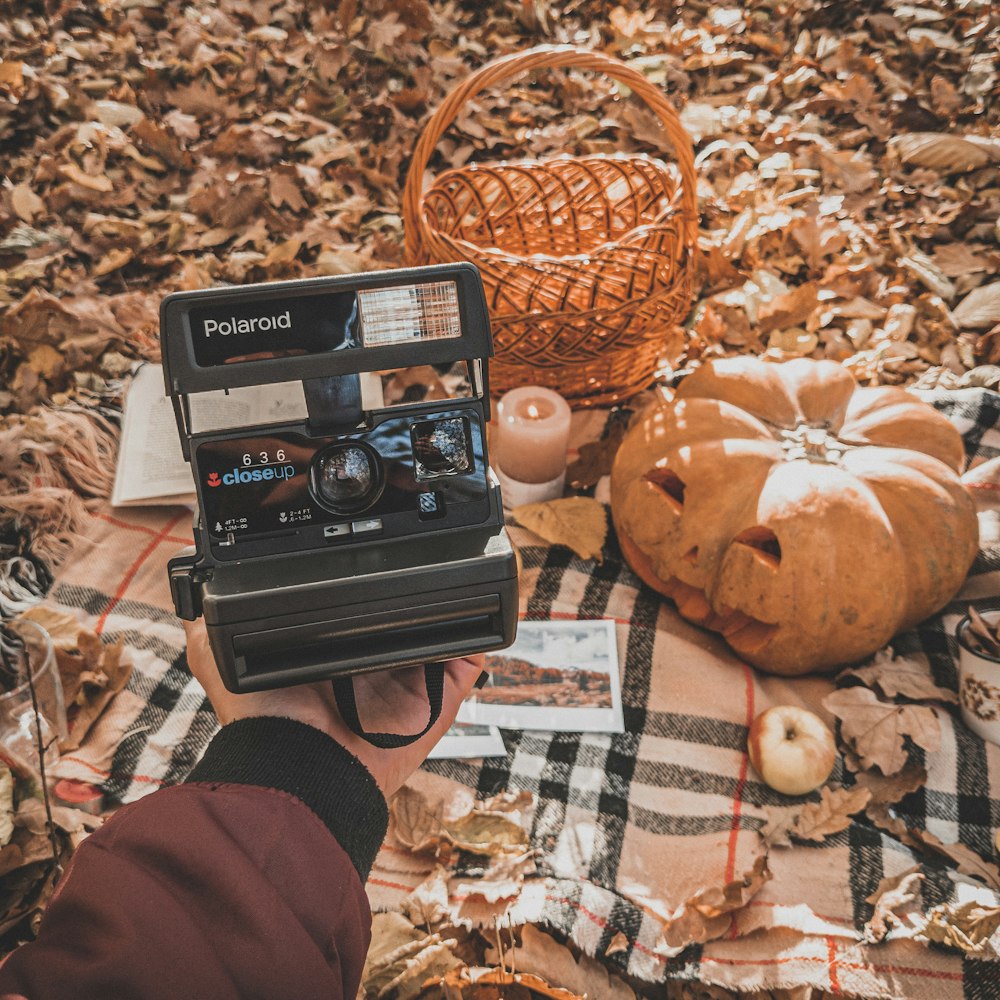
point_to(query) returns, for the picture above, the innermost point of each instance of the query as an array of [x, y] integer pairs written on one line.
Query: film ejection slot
[[353, 511]]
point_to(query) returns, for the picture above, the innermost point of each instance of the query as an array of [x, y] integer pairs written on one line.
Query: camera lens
[[441, 447], [347, 477]]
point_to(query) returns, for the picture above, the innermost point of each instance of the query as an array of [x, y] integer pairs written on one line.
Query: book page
[[151, 467]]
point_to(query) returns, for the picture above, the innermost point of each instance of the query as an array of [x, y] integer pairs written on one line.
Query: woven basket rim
[[495, 253], [656, 161]]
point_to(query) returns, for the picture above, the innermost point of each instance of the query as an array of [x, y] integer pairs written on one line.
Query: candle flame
[[533, 412]]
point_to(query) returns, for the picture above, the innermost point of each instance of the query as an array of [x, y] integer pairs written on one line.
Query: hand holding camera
[[394, 701]]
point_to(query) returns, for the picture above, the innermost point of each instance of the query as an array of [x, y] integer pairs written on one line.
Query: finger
[[464, 672]]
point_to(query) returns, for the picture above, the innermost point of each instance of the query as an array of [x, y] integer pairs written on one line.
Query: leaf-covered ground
[[849, 182]]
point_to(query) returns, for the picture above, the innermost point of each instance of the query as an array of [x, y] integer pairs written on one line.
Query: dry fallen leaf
[[945, 152], [967, 927], [901, 675], [780, 821], [892, 895], [887, 791], [707, 915], [831, 814], [401, 958], [427, 904], [412, 822], [980, 309], [595, 458], [576, 522], [875, 729], [541, 955]]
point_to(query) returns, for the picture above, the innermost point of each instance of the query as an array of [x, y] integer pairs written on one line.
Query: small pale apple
[[792, 749]]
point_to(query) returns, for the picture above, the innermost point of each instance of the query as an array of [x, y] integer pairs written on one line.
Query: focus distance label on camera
[[410, 312]]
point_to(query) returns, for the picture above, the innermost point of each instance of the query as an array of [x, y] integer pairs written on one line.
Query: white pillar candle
[[531, 438]]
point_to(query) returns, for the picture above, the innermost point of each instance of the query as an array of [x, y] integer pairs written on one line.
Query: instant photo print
[[361, 536]]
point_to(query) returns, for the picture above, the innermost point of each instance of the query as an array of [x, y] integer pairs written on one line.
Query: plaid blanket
[[628, 826]]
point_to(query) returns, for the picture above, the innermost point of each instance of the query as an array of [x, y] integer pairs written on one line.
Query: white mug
[[978, 682]]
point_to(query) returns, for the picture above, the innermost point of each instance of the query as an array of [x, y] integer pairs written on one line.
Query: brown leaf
[[875, 729], [482, 832], [831, 814], [791, 309], [894, 893], [980, 309], [780, 821], [539, 954], [576, 522], [944, 152], [965, 858], [412, 822], [707, 915], [887, 791], [401, 958], [617, 944], [901, 675], [967, 927], [595, 458], [95, 182], [26, 204]]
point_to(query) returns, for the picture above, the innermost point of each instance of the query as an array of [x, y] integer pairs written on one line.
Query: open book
[[151, 468]]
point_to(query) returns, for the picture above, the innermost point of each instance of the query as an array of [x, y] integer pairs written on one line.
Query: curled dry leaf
[[967, 927], [875, 729], [401, 958], [901, 675], [92, 672], [776, 832], [980, 309], [983, 633], [831, 814], [887, 791], [412, 822], [893, 895], [427, 904], [707, 915], [415, 824], [595, 458], [489, 984], [576, 522], [945, 152], [966, 860], [541, 955]]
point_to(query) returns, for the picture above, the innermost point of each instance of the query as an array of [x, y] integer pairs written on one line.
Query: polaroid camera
[[359, 535]]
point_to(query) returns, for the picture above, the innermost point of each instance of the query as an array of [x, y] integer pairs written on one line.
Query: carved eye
[[668, 482], [764, 541]]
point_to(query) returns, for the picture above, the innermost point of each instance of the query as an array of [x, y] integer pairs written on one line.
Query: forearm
[[228, 886]]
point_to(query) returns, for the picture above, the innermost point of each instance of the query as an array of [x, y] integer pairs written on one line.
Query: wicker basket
[[587, 261]]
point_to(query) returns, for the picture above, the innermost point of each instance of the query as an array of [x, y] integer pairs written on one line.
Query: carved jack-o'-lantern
[[806, 519]]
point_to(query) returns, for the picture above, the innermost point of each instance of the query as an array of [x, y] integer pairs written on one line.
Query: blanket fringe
[[49, 460]]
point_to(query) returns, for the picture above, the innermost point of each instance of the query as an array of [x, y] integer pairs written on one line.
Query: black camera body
[[352, 537]]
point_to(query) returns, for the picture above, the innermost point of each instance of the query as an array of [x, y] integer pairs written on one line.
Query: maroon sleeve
[[247, 881]]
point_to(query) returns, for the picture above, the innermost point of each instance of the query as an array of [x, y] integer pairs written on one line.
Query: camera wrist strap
[[343, 693]]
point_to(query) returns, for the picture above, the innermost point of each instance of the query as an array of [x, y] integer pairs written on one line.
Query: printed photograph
[[464, 740], [558, 675]]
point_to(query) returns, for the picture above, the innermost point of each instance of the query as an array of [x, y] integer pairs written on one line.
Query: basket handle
[[546, 57]]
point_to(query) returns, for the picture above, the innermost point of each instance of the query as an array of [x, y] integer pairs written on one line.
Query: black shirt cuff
[[291, 756]]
